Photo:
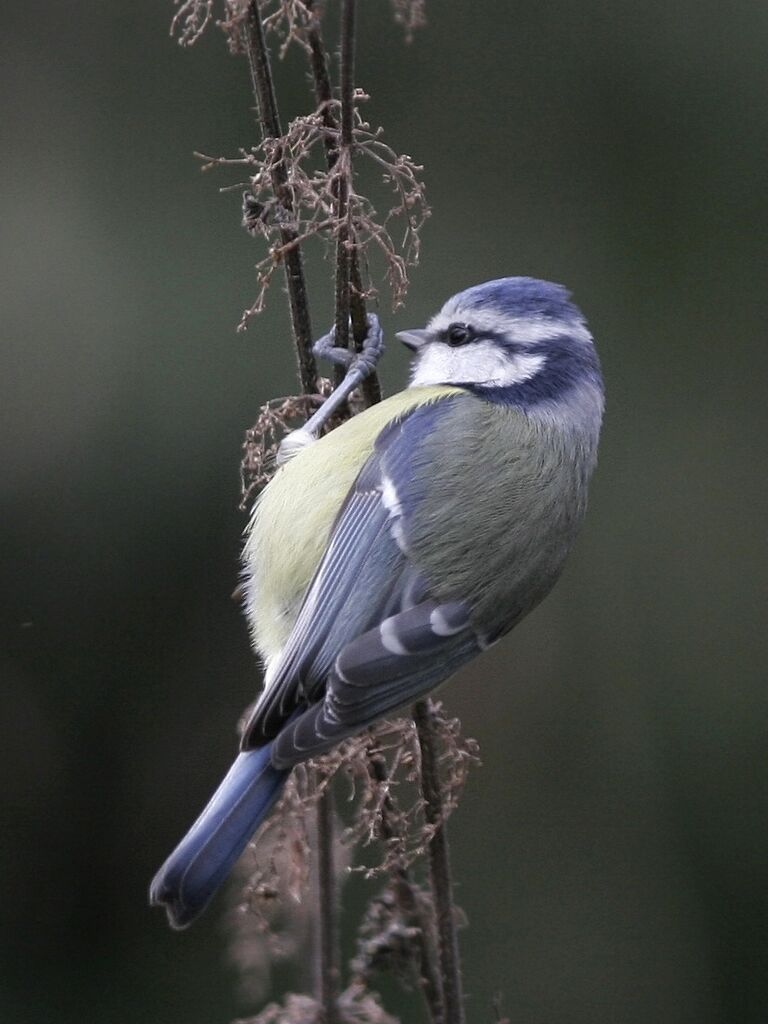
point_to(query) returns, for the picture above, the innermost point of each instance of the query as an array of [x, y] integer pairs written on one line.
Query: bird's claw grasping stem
[[358, 366], [368, 357]]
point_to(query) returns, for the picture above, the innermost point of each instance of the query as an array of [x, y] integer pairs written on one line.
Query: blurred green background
[[611, 853]]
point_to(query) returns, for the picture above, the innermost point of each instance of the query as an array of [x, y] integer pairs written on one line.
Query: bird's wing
[[366, 586], [391, 665]]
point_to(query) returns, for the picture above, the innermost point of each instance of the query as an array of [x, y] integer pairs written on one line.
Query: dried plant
[[191, 20], [404, 778], [309, 204], [396, 792], [411, 14], [270, 919], [381, 771], [306, 203], [276, 418], [291, 21], [355, 1007]]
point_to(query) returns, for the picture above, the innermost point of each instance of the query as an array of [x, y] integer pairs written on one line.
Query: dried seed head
[[411, 14]]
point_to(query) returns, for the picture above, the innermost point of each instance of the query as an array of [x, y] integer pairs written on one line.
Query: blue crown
[[522, 297]]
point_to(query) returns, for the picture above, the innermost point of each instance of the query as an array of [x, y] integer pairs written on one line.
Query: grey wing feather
[[331, 606], [378, 672], [364, 584]]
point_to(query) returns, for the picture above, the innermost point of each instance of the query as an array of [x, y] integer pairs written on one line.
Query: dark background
[[611, 853]]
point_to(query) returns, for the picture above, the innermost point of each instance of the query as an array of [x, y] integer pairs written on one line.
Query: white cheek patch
[[480, 362]]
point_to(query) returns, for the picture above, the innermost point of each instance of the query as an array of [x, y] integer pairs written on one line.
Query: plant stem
[[318, 60], [408, 901], [327, 955], [343, 167], [327, 967], [264, 93], [323, 96], [439, 865]]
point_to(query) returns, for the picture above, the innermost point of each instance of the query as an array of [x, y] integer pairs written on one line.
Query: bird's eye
[[458, 334]]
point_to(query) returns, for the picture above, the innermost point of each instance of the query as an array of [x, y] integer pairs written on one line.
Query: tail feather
[[206, 855]]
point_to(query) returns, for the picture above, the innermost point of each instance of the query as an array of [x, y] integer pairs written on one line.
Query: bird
[[387, 553]]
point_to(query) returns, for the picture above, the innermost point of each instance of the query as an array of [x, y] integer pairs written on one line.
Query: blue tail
[[206, 855]]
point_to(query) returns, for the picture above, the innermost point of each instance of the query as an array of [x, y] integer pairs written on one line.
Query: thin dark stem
[[327, 947], [439, 865], [323, 97], [344, 168], [327, 966], [321, 80], [264, 93], [429, 975], [348, 30], [354, 301]]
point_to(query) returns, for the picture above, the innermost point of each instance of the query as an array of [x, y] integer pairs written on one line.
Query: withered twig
[[327, 956], [323, 94], [329, 973], [439, 865], [264, 93], [408, 901], [343, 169]]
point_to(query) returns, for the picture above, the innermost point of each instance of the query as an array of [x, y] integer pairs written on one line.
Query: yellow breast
[[293, 516]]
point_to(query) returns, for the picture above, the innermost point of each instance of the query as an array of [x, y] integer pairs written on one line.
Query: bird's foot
[[363, 362], [359, 365]]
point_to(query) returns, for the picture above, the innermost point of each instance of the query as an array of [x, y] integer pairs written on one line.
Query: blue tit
[[396, 548]]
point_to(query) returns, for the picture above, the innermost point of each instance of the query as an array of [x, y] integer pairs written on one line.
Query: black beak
[[414, 340]]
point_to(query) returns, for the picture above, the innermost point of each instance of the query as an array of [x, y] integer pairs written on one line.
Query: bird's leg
[[358, 365]]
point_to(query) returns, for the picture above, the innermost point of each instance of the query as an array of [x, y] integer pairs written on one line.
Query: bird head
[[516, 340]]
